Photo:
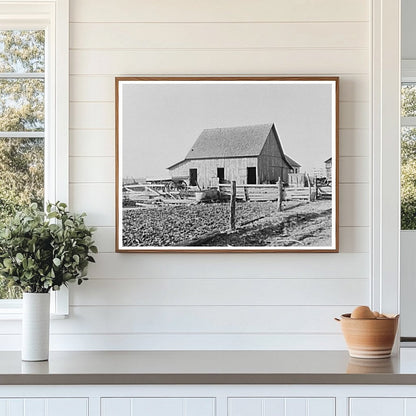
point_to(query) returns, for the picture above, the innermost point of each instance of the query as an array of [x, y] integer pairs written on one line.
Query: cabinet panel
[[44, 407], [382, 406], [318, 407], [275, 407], [270, 406], [377, 407], [3, 408], [16, 407], [157, 406], [245, 407], [199, 407], [410, 406], [67, 407], [296, 407], [34, 407], [119, 407]]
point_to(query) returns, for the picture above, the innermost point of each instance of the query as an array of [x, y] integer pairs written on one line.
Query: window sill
[[11, 309], [13, 315]]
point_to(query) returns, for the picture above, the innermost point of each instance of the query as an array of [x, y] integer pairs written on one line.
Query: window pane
[[22, 105], [22, 51], [21, 173], [21, 182], [408, 178]]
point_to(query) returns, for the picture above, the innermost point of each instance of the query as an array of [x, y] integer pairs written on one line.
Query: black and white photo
[[227, 164]]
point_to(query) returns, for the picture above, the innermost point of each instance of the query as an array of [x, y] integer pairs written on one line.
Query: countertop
[[207, 367]]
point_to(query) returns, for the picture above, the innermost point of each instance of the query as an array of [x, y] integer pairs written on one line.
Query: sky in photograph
[[161, 122]]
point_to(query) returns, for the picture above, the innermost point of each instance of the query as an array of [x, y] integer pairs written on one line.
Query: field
[[259, 224]]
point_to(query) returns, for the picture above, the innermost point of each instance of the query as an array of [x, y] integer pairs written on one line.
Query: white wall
[[214, 301]]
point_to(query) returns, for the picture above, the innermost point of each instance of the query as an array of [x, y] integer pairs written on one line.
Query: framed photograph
[[227, 164]]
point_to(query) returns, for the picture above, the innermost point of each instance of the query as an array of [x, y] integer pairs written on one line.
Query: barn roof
[[231, 142], [292, 162], [243, 141]]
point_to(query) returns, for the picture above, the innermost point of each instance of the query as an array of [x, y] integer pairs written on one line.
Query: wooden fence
[[306, 194], [268, 192], [252, 192]]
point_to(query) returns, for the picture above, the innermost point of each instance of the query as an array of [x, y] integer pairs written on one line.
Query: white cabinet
[[382, 406], [208, 400], [146, 406], [377, 407], [44, 407], [281, 406]]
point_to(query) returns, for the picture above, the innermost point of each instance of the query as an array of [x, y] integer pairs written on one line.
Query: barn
[[245, 154], [328, 168], [295, 165]]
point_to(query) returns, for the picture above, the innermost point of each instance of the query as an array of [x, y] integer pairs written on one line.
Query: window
[[408, 155], [33, 111], [22, 124]]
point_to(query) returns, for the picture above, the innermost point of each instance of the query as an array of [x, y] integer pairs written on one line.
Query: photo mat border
[[118, 198]]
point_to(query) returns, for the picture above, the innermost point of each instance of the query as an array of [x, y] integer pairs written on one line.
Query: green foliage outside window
[[408, 160], [21, 110]]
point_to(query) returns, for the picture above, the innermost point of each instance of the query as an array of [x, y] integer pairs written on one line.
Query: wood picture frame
[[227, 164]]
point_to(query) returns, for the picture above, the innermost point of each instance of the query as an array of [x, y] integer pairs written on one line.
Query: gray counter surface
[[207, 367]]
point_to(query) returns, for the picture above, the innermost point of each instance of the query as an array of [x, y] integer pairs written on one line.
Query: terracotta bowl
[[369, 338], [369, 366]]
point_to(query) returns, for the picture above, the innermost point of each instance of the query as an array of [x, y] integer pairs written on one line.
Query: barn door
[[251, 176], [220, 174], [193, 177]]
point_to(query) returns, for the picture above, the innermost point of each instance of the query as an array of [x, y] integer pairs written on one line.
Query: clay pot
[[369, 338], [369, 366]]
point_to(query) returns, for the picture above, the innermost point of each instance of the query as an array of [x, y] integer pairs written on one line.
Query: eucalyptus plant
[[42, 251]]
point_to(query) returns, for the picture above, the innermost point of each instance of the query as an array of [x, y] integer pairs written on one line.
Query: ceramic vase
[[35, 326]]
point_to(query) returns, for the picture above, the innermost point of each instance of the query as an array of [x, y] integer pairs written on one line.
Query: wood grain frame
[[275, 249]]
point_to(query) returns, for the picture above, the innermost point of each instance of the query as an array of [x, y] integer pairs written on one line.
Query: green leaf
[[37, 255]]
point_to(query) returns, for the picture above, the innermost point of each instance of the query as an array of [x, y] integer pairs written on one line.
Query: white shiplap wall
[[218, 301]]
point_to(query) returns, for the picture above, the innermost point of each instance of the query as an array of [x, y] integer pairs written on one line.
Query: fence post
[[310, 187], [232, 205], [279, 194], [246, 194], [316, 187]]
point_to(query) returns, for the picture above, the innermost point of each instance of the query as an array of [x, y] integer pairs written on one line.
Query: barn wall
[[214, 301], [234, 169], [271, 164]]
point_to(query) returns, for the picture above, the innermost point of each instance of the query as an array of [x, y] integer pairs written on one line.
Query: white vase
[[35, 326]]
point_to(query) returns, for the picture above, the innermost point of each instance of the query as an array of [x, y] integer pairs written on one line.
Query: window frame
[[385, 156], [408, 75], [53, 17]]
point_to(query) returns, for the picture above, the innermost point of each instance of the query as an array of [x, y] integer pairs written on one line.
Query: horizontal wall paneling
[[218, 11], [204, 301]]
